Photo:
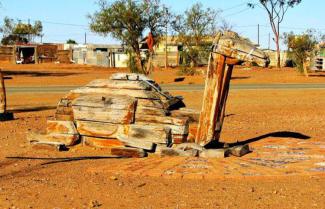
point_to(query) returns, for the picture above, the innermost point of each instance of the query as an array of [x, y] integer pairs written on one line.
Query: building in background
[[319, 62], [273, 57], [100, 55]]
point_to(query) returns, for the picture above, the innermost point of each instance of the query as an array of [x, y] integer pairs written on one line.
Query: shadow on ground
[[36, 73], [319, 75], [239, 77], [31, 109], [279, 134]]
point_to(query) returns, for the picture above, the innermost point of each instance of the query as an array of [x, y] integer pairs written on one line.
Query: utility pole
[[258, 34], [85, 38], [269, 41], [166, 41]]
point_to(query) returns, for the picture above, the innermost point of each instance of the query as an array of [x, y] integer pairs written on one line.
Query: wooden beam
[[136, 143], [211, 99], [3, 98], [101, 142]]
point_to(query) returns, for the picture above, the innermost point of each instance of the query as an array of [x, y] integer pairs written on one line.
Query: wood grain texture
[[98, 129], [104, 115], [161, 119], [211, 100], [136, 143], [61, 127], [157, 134], [105, 101], [122, 92], [65, 139], [101, 142], [119, 84], [150, 103]]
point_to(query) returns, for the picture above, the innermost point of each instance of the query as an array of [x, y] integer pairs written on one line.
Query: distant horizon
[[63, 20]]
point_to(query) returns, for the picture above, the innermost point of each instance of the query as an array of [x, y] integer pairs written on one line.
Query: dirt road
[[172, 87]]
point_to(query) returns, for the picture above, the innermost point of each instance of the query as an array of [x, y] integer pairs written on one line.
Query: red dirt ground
[[286, 129]]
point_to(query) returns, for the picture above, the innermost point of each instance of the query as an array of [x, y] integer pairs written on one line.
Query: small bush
[[188, 71], [133, 65]]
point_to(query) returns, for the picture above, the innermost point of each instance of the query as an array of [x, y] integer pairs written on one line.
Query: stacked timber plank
[[123, 111]]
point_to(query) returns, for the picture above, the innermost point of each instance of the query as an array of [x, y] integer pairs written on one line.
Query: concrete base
[[6, 116]]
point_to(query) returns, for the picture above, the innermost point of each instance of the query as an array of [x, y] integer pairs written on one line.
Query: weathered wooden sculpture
[[130, 110], [4, 114], [126, 110], [228, 50]]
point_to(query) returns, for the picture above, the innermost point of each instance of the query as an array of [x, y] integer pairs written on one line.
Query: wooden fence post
[[3, 99]]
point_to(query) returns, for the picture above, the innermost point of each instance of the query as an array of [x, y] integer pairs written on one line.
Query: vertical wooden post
[[214, 100], [207, 125], [3, 98]]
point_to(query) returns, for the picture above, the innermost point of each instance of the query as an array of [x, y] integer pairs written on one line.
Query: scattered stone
[[94, 204], [128, 152], [214, 153], [142, 185], [239, 150], [175, 152], [113, 178], [189, 146]]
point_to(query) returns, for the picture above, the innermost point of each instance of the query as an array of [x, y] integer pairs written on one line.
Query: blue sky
[[309, 14]]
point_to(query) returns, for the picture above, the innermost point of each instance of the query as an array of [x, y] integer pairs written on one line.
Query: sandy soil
[[285, 129], [66, 75]]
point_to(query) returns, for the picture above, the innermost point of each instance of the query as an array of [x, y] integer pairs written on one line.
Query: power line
[[236, 13], [234, 7]]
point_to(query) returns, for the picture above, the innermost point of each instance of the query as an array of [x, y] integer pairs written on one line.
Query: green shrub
[[133, 66], [188, 71]]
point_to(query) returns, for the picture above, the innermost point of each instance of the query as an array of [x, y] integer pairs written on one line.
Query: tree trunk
[[304, 65], [148, 71], [278, 52], [138, 61]]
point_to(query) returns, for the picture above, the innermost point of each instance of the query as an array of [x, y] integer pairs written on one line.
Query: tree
[[14, 32], [301, 48], [195, 30], [71, 41], [128, 21], [276, 10]]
